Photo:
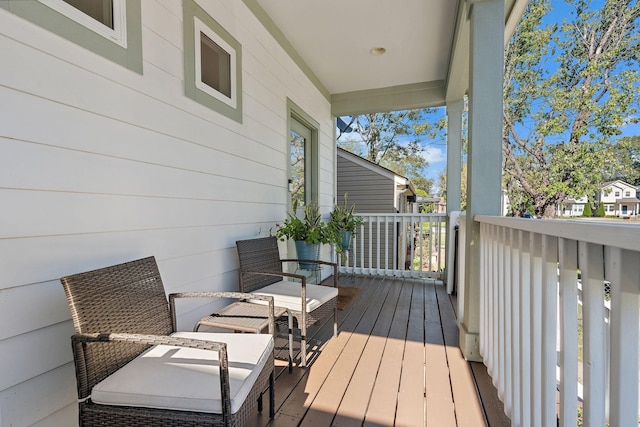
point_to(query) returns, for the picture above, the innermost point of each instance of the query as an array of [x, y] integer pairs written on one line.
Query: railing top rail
[[407, 215], [624, 236]]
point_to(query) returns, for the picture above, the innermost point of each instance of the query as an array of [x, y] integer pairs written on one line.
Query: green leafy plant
[[311, 228], [342, 218]]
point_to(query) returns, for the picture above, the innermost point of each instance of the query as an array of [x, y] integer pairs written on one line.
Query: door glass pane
[[297, 169]]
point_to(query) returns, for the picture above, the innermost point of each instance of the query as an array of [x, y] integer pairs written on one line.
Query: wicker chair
[[261, 273], [134, 369]]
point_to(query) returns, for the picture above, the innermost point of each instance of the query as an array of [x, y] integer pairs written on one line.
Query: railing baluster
[[549, 326], [484, 289], [386, 247], [536, 330], [507, 281], [514, 332], [429, 247], [525, 330], [377, 224], [568, 360], [501, 309], [495, 306], [623, 272], [592, 271]]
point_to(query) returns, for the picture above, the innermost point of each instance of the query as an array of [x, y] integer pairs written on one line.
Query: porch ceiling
[[426, 42]]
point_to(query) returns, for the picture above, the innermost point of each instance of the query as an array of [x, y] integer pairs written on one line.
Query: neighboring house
[[370, 187], [373, 189], [572, 207], [619, 198]]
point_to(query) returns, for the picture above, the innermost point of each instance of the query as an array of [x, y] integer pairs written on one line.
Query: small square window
[[212, 63], [215, 64], [627, 193], [617, 194]]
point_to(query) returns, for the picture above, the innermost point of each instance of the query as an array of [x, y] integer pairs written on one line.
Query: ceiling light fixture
[[377, 51]]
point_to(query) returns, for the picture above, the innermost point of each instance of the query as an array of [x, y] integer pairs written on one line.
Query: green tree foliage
[[588, 212], [625, 163], [600, 213], [390, 139], [568, 90]]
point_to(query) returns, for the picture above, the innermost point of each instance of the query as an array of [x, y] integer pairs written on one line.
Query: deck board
[[468, 407], [395, 362], [439, 397], [411, 396]]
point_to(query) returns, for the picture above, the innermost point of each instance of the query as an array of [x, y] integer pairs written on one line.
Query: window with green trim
[[215, 65], [212, 63], [105, 17], [110, 28]]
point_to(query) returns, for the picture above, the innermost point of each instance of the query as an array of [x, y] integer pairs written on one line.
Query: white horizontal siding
[[51, 400], [100, 165], [56, 256]]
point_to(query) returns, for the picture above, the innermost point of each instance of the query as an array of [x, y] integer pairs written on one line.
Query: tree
[[588, 212], [390, 139], [568, 90], [600, 213]]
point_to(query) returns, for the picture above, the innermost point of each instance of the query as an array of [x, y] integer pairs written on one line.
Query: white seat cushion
[[167, 377], [287, 294]]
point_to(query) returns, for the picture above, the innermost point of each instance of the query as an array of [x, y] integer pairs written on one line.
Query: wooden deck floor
[[395, 362]]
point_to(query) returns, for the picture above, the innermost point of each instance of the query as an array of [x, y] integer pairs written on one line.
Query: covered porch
[[112, 154]]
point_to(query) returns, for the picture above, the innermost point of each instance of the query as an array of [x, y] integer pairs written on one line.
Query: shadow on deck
[[395, 362]]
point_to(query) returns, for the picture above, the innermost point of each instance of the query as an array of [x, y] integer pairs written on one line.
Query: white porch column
[[454, 154], [484, 161]]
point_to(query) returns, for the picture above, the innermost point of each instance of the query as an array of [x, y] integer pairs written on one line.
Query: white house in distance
[[572, 207], [620, 199]]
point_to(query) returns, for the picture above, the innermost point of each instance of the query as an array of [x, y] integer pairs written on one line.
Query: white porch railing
[[406, 245], [531, 340]]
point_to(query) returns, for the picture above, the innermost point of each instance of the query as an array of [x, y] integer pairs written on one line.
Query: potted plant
[[308, 233], [344, 224]]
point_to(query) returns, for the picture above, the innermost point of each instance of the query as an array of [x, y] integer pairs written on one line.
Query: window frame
[[199, 29], [71, 24], [194, 19], [119, 32]]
